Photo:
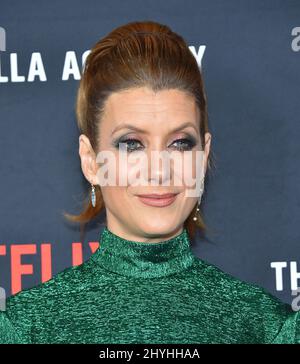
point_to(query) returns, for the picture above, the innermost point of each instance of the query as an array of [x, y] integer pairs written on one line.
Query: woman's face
[[151, 119]]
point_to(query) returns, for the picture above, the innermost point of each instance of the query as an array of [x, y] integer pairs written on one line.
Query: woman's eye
[[184, 144], [179, 144], [131, 144]]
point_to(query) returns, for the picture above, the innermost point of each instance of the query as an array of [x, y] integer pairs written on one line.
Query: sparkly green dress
[[134, 292]]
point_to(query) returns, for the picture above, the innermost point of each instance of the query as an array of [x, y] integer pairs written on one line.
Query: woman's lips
[[158, 200]]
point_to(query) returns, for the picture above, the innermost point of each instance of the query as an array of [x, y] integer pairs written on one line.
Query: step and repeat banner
[[249, 53]]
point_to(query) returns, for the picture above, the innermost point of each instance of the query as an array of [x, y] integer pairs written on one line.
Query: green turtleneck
[[136, 292]]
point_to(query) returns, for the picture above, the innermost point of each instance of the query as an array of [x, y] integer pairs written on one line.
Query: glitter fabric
[[141, 292]]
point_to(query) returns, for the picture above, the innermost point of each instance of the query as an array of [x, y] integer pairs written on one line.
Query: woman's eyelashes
[[187, 144], [133, 144]]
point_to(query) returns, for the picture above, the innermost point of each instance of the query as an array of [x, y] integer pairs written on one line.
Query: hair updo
[[136, 54]]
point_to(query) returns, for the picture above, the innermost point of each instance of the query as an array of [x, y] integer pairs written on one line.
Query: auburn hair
[[137, 54]]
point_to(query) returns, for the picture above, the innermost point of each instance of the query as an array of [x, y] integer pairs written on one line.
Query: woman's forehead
[[146, 109]]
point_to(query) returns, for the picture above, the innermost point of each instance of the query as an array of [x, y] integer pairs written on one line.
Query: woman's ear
[[88, 159]]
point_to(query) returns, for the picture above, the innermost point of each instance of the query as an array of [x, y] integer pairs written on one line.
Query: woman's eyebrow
[[133, 127]]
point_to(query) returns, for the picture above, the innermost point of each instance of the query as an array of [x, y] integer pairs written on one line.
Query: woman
[[141, 88]]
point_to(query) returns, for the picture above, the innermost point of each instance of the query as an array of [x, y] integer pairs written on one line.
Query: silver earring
[[93, 196], [195, 218]]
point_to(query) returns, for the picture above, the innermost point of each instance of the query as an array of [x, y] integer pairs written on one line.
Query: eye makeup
[[134, 144]]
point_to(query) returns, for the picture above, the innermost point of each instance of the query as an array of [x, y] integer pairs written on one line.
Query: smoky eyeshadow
[[124, 138]]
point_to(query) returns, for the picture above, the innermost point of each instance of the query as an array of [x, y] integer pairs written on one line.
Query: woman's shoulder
[[40, 302], [226, 283], [47, 293], [257, 309]]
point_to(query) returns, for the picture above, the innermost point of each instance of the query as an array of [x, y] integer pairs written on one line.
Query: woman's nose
[[159, 167]]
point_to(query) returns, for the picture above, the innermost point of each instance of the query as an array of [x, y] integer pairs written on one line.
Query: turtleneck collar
[[143, 259]]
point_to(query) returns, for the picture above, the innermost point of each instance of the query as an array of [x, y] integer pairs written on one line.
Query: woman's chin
[[158, 228]]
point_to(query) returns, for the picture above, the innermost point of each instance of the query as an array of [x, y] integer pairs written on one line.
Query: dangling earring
[[199, 199], [93, 196]]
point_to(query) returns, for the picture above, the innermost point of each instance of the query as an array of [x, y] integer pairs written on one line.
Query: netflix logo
[[18, 269]]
